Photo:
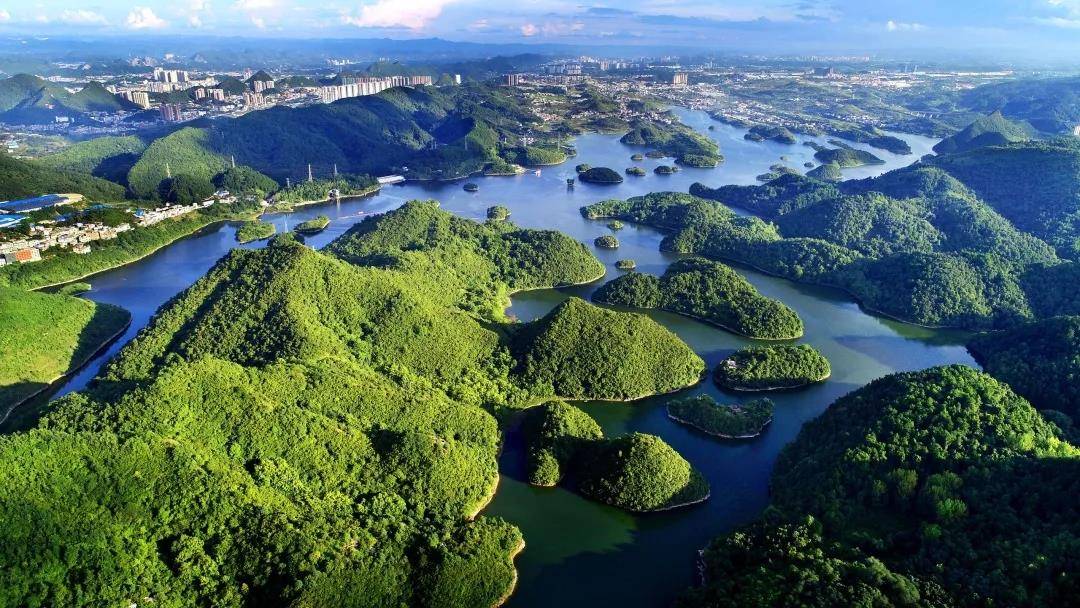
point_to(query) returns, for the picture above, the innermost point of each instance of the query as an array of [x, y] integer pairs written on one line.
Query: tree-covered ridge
[[478, 265], [436, 133], [709, 291], [932, 488], [1040, 361], [580, 351], [106, 157], [295, 429], [636, 472], [24, 179], [772, 367], [991, 130], [728, 421], [1034, 184], [46, 336], [687, 146]]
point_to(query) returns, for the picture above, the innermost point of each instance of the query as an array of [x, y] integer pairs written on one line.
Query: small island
[[829, 172], [635, 472], [626, 264], [843, 156], [637, 157], [315, 224], [769, 368], [606, 242], [254, 231], [765, 132], [583, 167], [726, 421], [498, 213], [471, 187], [635, 171], [708, 291], [665, 169], [601, 175], [615, 225], [655, 154]]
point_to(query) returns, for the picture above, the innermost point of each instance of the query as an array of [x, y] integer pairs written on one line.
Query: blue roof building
[[9, 220], [24, 205]]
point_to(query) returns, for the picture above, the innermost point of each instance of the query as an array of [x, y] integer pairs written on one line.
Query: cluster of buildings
[[357, 87], [78, 236]]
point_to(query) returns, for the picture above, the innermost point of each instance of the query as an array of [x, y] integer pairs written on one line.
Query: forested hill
[[992, 130], [429, 131], [28, 99], [298, 429], [940, 488]]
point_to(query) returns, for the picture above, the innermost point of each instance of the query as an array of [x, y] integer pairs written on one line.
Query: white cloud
[[259, 22], [529, 30], [4, 16], [413, 15], [478, 25], [82, 17], [255, 5], [194, 21], [899, 26], [1062, 22], [143, 18]]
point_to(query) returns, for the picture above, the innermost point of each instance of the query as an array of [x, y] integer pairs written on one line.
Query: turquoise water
[[579, 552]]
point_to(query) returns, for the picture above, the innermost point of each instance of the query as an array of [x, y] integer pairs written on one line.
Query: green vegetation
[[498, 213], [708, 291], [185, 189], [637, 157], [665, 170], [674, 139], [635, 472], [245, 180], [933, 488], [601, 175], [639, 472], [61, 266], [254, 230], [626, 264], [727, 421], [23, 179], [1040, 361], [532, 156], [635, 171], [320, 189], [615, 225], [106, 157], [296, 428], [315, 224], [778, 134], [829, 172], [184, 152], [556, 434], [615, 356], [471, 187], [606, 242], [477, 265], [992, 130], [583, 167], [47, 336], [845, 157], [771, 368]]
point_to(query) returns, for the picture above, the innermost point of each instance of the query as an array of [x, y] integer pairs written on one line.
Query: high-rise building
[[252, 99], [679, 78], [356, 87], [512, 80], [139, 98], [216, 94], [171, 112], [457, 78]]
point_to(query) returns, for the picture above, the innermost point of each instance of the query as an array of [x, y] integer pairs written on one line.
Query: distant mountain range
[[28, 99]]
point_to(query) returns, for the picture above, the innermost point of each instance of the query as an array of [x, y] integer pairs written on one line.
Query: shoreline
[[514, 575], [715, 434], [680, 505], [74, 370], [293, 206], [739, 389]]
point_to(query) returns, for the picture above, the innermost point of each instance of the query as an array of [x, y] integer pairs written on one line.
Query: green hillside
[[106, 157], [708, 291], [1040, 361], [23, 179], [932, 488], [992, 130], [46, 336]]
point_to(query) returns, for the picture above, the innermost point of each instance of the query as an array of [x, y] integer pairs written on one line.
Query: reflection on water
[[578, 552]]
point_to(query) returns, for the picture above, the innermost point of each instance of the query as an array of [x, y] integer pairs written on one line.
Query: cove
[[580, 553]]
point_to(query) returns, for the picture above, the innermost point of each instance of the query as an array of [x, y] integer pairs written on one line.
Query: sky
[[1032, 27]]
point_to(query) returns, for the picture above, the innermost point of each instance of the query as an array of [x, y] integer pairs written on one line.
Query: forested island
[[677, 140], [636, 472], [742, 421], [314, 225], [709, 291], [600, 175], [254, 231], [224, 415], [933, 488], [778, 367]]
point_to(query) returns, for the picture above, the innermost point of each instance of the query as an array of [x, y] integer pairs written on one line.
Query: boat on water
[[538, 173], [569, 182]]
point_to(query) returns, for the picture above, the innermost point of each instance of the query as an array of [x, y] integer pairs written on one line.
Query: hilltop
[[992, 130]]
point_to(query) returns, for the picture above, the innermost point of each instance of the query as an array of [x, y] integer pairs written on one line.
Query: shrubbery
[[727, 421], [772, 367]]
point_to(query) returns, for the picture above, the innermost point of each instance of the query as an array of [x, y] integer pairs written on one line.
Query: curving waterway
[[580, 553]]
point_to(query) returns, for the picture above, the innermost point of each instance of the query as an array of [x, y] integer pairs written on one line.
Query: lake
[[580, 553]]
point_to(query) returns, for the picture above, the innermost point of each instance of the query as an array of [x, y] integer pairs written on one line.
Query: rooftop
[[33, 204], [9, 220]]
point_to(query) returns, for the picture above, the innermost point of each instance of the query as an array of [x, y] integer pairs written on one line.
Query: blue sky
[[1022, 26]]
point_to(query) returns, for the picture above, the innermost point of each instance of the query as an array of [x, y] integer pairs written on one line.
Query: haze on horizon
[[1025, 29]]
